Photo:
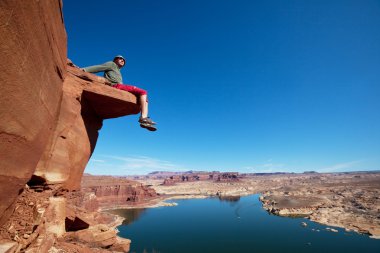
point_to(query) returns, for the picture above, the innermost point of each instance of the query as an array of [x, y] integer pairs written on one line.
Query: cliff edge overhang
[[50, 111]]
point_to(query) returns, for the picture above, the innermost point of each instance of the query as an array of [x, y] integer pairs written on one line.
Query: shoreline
[[153, 203], [161, 202]]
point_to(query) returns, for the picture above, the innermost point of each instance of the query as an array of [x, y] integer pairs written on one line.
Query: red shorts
[[130, 88]]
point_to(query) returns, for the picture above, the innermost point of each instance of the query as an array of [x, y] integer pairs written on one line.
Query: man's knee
[[142, 92]]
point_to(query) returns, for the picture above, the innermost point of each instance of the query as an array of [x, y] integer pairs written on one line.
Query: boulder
[[97, 236], [55, 216], [76, 223], [8, 246], [121, 245], [44, 243]]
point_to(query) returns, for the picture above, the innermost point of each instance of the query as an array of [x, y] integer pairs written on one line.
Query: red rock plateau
[[51, 113], [171, 178]]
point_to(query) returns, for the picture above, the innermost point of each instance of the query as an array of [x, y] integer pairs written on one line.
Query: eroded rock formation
[[50, 114], [116, 191], [33, 63]]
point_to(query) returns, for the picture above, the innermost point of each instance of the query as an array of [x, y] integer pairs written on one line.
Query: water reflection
[[130, 215], [229, 198]]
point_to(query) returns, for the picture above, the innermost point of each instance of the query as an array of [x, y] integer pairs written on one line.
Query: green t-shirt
[[110, 69]]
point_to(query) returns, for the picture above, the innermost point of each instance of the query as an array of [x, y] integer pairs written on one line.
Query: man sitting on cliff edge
[[112, 73]]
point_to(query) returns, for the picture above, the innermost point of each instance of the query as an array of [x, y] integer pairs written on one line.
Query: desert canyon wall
[[50, 110], [116, 191], [33, 63]]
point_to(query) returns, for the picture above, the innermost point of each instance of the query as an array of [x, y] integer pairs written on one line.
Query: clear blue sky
[[238, 85]]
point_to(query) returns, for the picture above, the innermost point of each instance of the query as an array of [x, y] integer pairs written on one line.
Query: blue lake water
[[235, 225]]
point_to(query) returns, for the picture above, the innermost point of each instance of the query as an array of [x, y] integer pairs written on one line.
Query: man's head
[[119, 60]]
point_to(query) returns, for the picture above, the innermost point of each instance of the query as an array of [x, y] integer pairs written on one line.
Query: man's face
[[120, 62]]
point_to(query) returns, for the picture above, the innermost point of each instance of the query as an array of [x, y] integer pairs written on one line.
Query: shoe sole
[[150, 127], [153, 123]]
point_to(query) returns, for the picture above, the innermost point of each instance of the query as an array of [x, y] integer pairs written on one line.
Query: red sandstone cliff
[[33, 62], [50, 116], [86, 102], [116, 191]]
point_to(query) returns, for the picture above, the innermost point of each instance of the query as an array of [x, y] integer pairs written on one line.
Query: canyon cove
[[237, 224]]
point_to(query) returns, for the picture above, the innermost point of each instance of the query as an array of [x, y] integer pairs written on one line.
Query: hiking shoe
[[150, 127], [146, 120]]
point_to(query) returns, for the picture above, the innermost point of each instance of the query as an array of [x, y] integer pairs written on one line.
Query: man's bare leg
[[144, 106], [146, 122]]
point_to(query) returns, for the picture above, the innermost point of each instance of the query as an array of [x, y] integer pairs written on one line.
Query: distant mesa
[[116, 191], [202, 176]]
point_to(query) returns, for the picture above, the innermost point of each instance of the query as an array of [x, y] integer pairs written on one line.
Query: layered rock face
[[114, 191], [33, 63], [50, 114]]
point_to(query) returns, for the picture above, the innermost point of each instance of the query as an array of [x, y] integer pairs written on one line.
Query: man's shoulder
[[110, 63]]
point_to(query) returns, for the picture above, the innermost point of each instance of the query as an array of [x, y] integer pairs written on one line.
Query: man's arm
[[98, 68]]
